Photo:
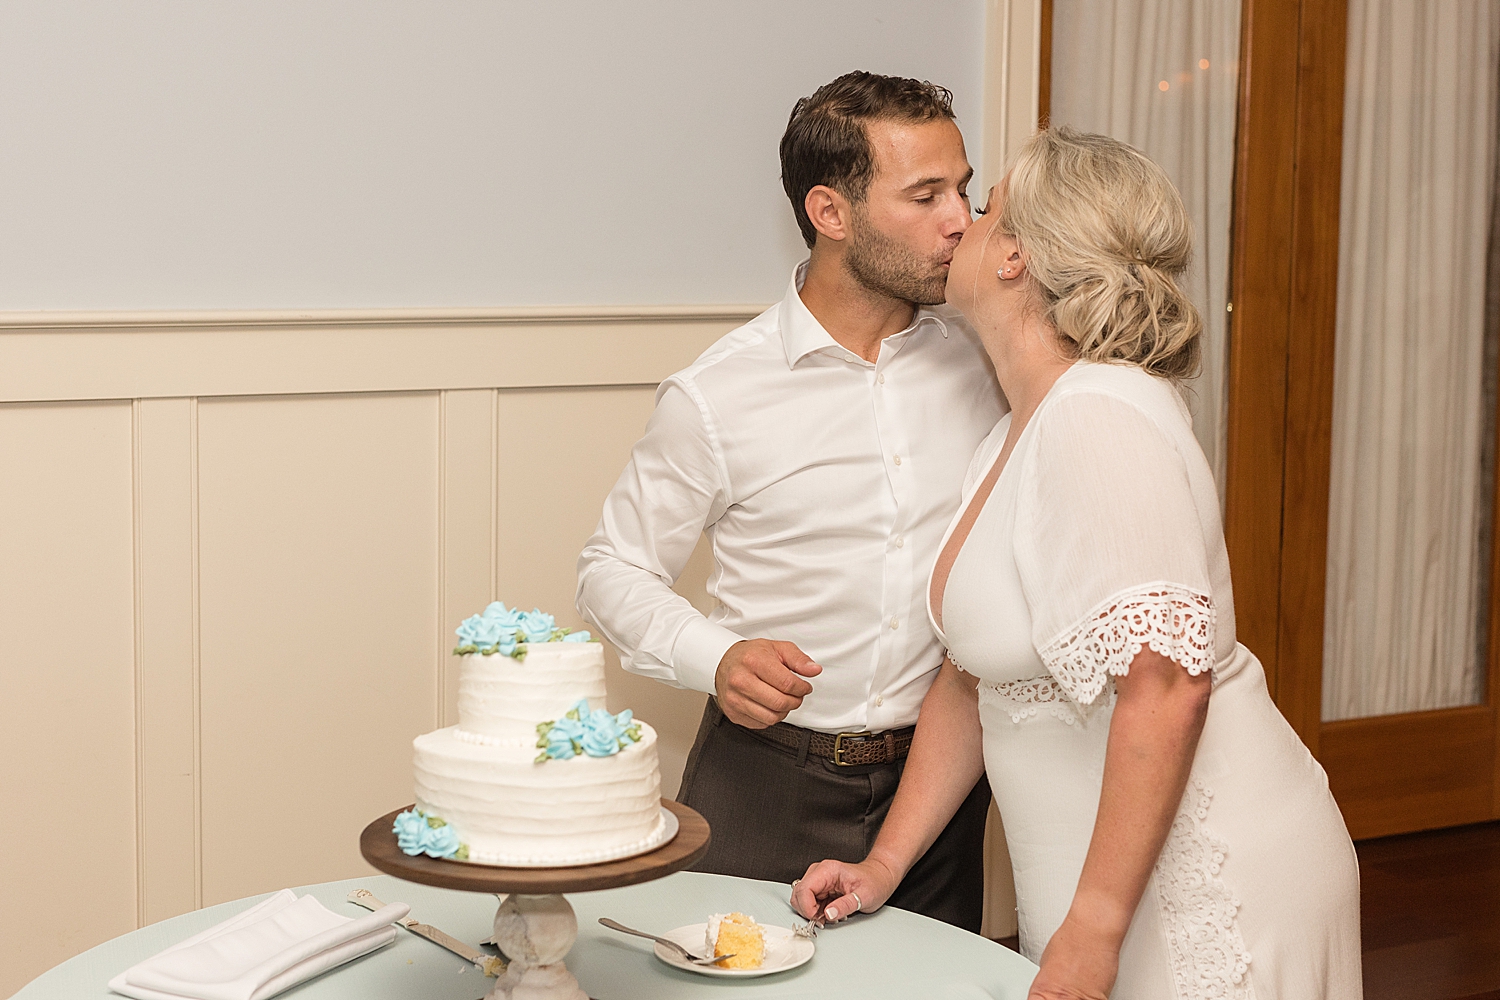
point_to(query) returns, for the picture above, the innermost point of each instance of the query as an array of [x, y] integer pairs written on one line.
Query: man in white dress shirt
[[822, 448]]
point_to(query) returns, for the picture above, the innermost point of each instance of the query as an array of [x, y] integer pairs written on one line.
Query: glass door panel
[[1411, 488]]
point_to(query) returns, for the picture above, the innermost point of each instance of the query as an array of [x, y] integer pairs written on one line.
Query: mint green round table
[[880, 956]]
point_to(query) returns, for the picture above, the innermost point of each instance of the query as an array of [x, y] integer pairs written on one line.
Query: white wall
[[287, 153]]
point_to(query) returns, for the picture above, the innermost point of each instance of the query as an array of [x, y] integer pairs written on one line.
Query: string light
[[1203, 64], [1164, 85]]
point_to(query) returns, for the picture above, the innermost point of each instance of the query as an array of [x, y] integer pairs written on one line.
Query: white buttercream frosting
[[511, 810], [482, 776], [502, 699]]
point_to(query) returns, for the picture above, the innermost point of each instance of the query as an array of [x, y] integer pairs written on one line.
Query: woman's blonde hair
[[1107, 239]]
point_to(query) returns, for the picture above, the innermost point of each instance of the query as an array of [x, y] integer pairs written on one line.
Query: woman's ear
[[1013, 262], [829, 212]]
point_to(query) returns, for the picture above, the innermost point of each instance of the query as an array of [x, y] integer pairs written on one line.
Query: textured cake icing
[[501, 700], [509, 805]]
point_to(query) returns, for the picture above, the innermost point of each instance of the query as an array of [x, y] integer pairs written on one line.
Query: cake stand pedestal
[[535, 926]]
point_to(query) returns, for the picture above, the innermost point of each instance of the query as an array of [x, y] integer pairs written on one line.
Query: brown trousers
[[774, 811]]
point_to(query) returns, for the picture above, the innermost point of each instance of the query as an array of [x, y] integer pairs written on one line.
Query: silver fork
[[615, 925]]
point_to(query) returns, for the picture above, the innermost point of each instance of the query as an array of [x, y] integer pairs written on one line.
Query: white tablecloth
[[888, 954]]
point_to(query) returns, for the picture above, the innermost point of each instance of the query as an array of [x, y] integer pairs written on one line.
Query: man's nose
[[960, 219]]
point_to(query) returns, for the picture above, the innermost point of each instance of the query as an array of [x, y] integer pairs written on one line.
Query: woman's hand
[[834, 890], [1077, 964]]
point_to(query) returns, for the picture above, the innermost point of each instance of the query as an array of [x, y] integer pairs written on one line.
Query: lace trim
[[1198, 911], [1174, 621], [1023, 700]]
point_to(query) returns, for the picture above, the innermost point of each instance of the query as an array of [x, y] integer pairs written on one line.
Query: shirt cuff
[[696, 654]]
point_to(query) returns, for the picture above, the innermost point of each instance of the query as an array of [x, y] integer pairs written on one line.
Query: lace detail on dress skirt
[[1198, 911], [1174, 621]]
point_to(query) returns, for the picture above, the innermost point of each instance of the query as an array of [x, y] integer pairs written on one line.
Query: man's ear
[[829, 211]]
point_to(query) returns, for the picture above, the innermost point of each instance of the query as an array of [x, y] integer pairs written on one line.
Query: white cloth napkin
[[276, 944]]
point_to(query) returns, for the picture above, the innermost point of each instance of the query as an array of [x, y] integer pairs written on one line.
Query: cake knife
[[490, 965]]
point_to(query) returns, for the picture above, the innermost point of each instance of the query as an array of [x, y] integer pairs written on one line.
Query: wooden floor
[[1431, 915]]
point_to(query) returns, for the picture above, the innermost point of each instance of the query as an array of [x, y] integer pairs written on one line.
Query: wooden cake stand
[[535, 926]]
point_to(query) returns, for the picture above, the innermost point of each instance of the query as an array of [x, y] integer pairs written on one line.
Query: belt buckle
[[838, 748]]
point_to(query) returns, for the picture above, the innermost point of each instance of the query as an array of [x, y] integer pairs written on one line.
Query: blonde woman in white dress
[[1171, 836]]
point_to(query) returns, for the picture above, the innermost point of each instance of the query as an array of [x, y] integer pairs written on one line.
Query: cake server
[[490, 965]]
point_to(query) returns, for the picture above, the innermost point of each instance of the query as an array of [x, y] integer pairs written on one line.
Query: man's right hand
[[760, 680]]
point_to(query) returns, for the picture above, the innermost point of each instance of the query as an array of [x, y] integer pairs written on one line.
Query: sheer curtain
[[1407, 502], [1163, 75]]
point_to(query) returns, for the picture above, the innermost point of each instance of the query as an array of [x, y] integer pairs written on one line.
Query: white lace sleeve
[[1170, 619], [1110, 544]]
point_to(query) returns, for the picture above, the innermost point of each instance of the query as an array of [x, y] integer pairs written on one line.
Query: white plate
[[666, 829], [784, 950]]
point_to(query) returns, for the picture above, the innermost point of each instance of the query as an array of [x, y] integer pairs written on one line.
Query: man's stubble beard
[[889, 268]]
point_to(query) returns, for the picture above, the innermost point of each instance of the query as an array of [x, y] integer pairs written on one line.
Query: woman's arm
[[945, 761], [1153, 736]]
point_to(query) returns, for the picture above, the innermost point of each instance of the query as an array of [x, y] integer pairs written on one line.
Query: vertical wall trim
[[1013, 31], [165, 776], [494, 539], [439, 678], [139, 658], [197, 660]]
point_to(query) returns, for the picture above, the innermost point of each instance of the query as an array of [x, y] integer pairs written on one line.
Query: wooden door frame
[[1390, 774]]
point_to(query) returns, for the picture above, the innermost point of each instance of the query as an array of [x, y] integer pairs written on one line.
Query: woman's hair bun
[[1107, 240]]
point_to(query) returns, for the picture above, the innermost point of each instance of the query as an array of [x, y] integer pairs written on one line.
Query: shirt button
[[897, 459], [880, 378], [879, 700], [895, 623], [900, 541]]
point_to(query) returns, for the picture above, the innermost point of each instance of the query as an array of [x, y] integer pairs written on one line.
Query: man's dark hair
[[825, 140]]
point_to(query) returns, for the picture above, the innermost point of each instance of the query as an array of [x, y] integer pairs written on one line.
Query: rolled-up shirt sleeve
[[671, 490]]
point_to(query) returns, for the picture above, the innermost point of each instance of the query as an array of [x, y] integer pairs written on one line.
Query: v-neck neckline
[[974, 509]]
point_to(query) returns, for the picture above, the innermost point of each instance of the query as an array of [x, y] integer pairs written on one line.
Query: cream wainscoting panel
[[264, 528], [47, 356], [318, 579], [67, 682]]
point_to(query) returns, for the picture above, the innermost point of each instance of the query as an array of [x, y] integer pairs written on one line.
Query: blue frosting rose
[[411, 832], [537, 625], [484, 632], [576, 637], [507, 617], [440, 842], [563, 737], [601, 734], [472, 631]]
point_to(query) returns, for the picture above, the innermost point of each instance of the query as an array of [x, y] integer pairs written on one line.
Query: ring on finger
[[857, 904]]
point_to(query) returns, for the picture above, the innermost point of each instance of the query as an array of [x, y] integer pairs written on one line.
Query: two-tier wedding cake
[[537, 772]]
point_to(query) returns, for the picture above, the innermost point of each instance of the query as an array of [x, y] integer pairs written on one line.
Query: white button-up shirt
[[824, 484]]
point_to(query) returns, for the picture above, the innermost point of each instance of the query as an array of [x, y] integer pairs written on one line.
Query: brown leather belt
[[844, 749]]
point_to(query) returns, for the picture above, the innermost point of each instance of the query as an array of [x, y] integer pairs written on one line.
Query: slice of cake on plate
[[737, 936]]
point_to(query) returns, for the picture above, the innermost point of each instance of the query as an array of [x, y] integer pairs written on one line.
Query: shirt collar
[[802, 334]]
